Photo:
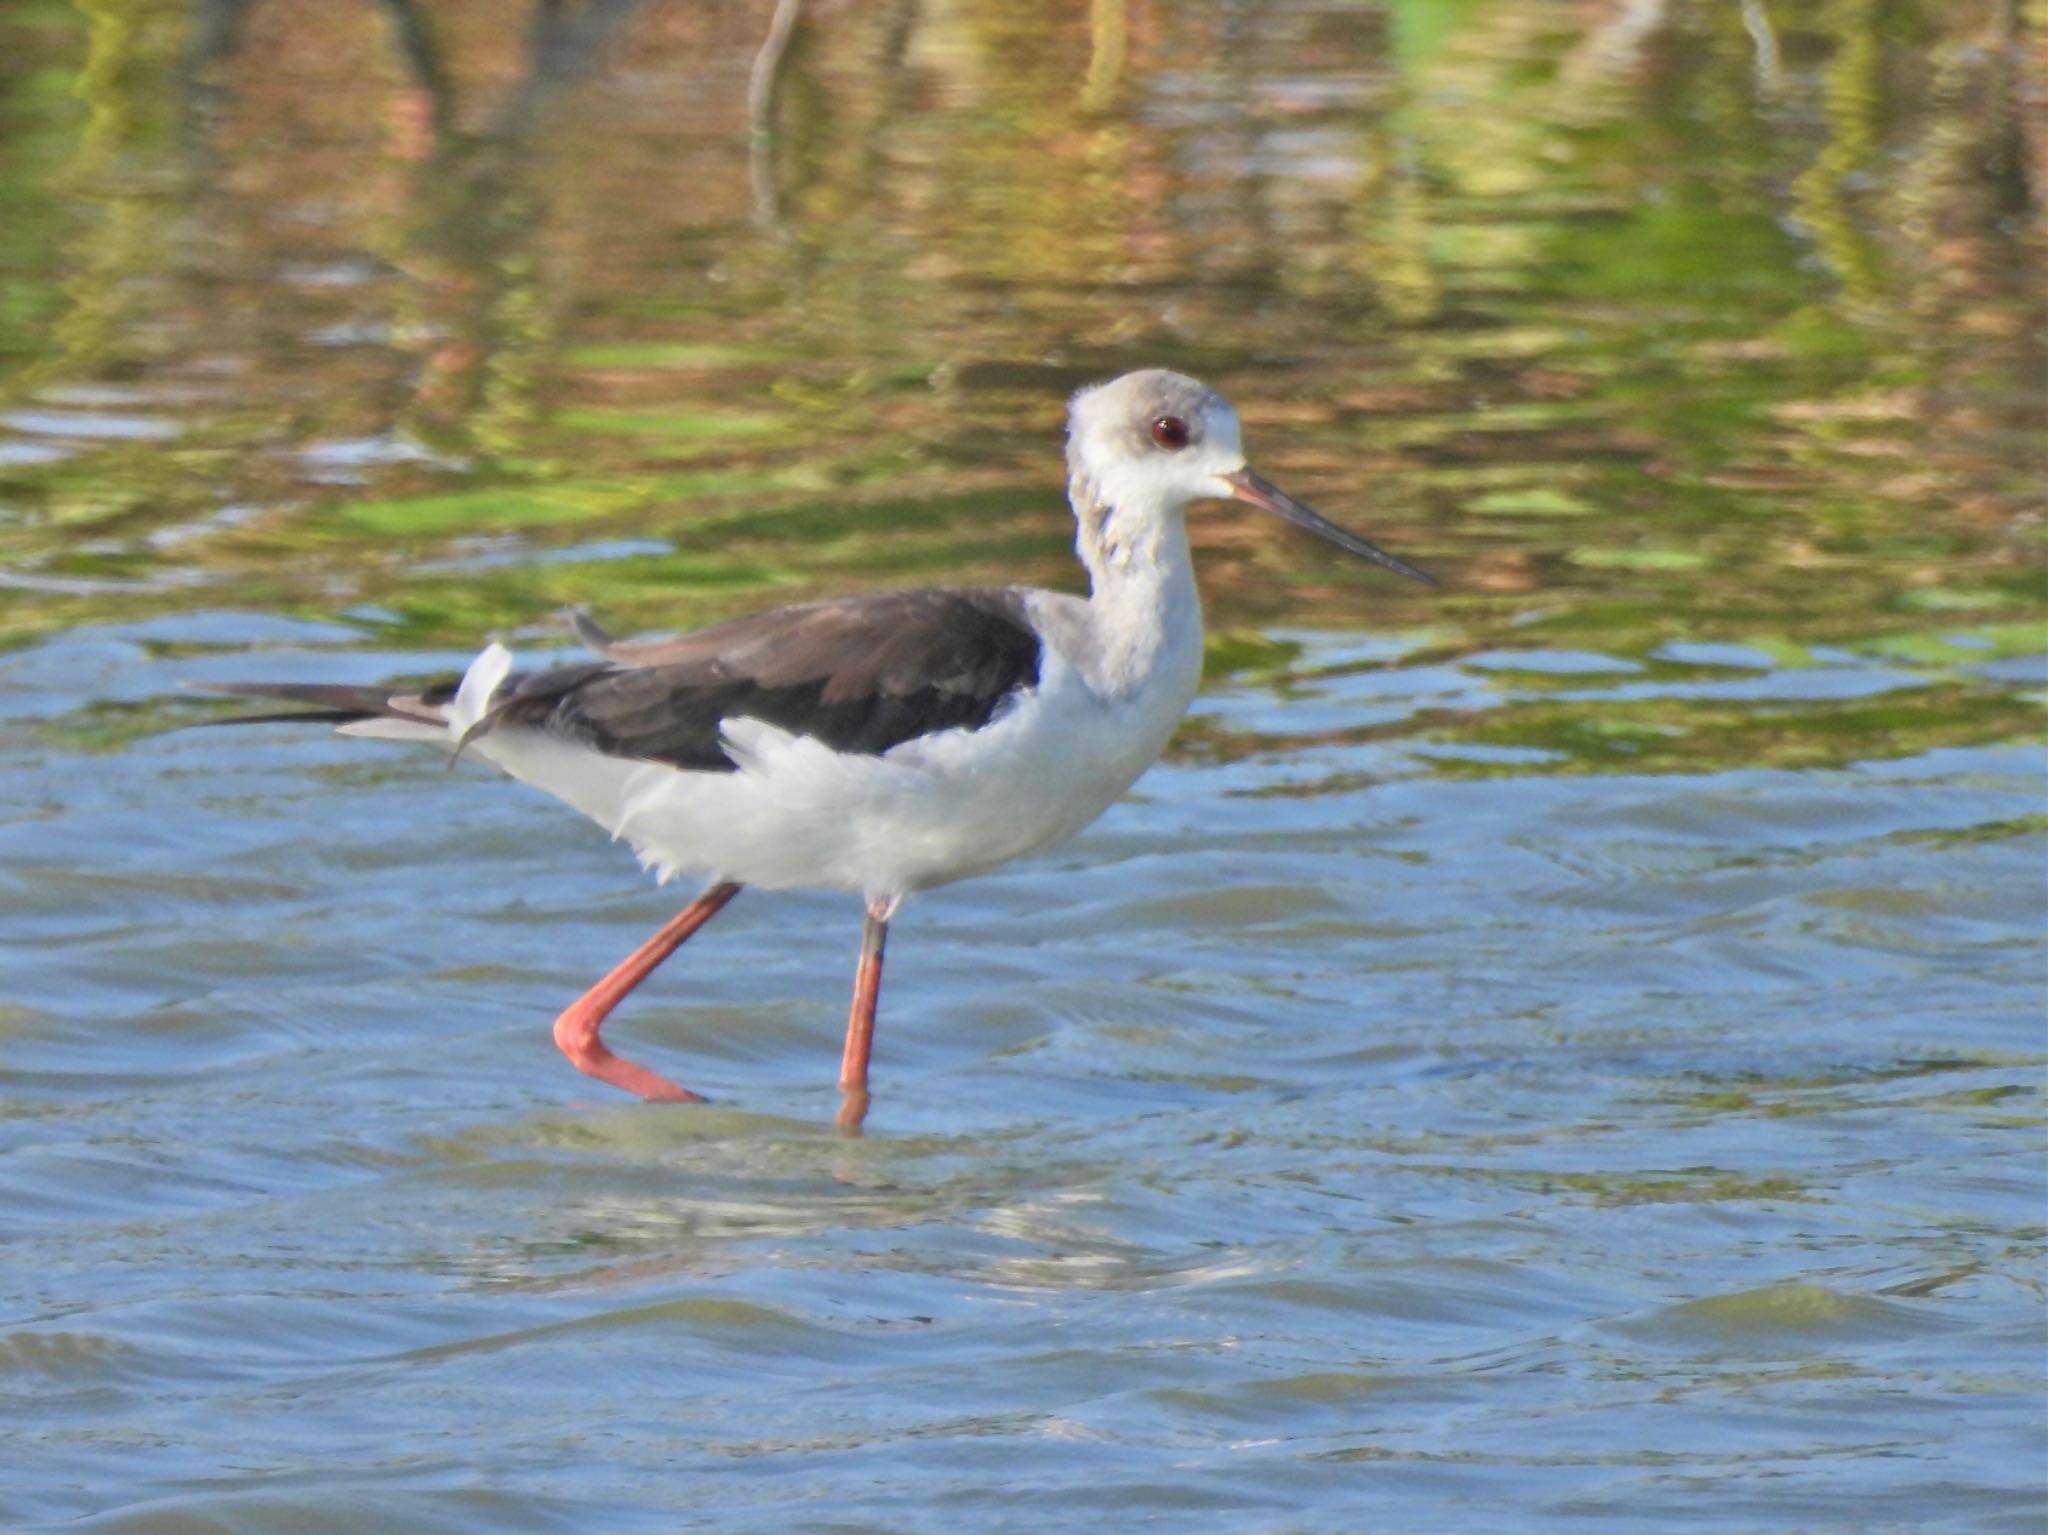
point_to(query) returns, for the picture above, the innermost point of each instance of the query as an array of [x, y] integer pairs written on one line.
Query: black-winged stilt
[[883, 743]]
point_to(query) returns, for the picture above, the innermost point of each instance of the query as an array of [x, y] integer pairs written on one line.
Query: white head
[[1155, 437], [1141, 447]]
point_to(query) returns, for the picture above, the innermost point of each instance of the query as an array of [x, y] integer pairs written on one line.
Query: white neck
[[1146, 614]]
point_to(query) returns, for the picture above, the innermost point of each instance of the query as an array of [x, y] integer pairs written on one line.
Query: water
[[1560, 1053]]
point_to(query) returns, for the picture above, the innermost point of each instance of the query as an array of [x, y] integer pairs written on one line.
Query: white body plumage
[[934, 809]]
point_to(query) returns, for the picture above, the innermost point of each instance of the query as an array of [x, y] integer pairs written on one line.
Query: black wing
[[861, 674]]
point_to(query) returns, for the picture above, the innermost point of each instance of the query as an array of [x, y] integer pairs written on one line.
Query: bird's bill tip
[[1257, 490]]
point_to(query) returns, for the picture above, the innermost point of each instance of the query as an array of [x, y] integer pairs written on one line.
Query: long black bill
[[1263, 493]]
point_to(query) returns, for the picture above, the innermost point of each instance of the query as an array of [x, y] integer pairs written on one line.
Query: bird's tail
[[444, 712], [355, 711]]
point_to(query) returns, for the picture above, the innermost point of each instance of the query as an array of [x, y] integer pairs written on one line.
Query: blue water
[[1317, 1144]]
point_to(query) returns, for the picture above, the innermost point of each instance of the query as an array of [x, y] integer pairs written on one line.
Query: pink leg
[[576, 1030], [860, 1022]]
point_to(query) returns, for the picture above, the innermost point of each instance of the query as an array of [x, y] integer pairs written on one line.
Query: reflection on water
[[1538, 1052]]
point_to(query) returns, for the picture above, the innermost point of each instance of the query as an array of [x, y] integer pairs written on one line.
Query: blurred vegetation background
[[1688, 339]]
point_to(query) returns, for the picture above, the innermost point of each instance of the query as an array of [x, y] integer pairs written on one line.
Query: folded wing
[[860, 674]]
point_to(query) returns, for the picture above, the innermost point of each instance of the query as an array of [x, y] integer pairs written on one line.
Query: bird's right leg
[[860, 1022], [576, 1031]]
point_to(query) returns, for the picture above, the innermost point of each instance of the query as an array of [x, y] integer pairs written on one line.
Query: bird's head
[[1148, 443]]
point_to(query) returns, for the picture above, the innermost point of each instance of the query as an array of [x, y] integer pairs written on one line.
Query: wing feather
[[860, 674]]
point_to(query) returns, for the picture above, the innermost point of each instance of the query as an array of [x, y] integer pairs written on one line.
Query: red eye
[[1171, 433]]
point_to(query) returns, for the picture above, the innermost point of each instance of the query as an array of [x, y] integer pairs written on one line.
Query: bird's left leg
[[576, 1031], [860, 1022]]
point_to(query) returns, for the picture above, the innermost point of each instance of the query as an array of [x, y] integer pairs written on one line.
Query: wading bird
[[883, 743]]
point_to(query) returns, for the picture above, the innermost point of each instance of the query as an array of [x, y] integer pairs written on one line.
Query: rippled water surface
[[1563, 1052]]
